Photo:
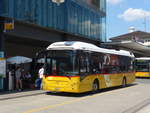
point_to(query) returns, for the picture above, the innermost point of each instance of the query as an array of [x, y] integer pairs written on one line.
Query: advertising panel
[[2, 67]]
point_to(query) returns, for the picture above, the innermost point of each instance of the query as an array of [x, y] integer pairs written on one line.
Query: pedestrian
[[18, 79], [40, 77]]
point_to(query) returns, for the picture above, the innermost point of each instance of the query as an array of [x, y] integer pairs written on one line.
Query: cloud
[[134, 14], [114, 2]]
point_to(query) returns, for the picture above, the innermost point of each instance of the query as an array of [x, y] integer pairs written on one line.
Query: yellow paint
[[79, 85], [142, 74], [61, 84]]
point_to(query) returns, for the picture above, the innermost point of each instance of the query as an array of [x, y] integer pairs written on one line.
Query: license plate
[[49, 78], [57, 89]]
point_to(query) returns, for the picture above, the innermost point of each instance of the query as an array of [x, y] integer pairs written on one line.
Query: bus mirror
[[37, 54]]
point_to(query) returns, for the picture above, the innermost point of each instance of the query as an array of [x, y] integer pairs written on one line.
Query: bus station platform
[[18, 94]]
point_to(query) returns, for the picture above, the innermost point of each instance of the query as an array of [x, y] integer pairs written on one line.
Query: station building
[[137, 42], [38, 23]]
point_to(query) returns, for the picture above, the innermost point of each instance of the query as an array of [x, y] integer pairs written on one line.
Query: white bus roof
[[77, 45], [143, 58]]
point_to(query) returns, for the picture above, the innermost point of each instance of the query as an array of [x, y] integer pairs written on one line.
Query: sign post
[[2, 68]]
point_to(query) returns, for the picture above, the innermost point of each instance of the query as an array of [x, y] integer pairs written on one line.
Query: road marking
[[73, 101]]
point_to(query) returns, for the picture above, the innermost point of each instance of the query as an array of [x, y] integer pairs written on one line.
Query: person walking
[[18, 79], [39, 80]]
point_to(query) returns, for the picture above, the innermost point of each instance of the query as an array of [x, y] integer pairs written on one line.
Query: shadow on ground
[[142, 77]]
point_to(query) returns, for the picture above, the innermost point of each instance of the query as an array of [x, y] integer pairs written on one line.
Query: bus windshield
[[61, 63]]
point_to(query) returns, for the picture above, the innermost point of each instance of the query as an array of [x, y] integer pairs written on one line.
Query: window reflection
[[62, 63]]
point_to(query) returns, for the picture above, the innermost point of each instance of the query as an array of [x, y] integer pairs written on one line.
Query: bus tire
[[124, 82], [95, 86]]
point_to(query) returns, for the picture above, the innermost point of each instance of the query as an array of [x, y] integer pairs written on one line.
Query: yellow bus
[[142, 67], [77, 67]]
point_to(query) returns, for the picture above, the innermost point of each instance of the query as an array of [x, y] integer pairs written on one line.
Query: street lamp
[[146, 21], [58, 1]]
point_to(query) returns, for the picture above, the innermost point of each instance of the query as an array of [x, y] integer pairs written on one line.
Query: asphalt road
[[113, 100], [143, 80]]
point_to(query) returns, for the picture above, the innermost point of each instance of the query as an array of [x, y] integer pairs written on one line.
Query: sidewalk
[[18, 94]]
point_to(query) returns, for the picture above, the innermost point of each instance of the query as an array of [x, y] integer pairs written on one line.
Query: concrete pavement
[[132, 99], [143, 107], [146, 109]]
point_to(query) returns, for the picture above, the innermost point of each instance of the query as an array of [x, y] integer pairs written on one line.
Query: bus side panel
[[87, 82], [120, 79], [102, 81], [116, 78], [106, 80], [130, 77], [111, 80]]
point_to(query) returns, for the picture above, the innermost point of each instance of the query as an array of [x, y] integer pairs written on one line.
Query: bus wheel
[[124, 82], [95, 86]]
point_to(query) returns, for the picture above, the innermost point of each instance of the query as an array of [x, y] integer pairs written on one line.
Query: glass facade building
[[86, 18]]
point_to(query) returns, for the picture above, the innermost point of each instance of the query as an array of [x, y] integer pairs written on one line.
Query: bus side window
[[84, 64], [96, 62]]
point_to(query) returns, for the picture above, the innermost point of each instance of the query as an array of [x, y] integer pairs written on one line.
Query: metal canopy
[[135, 47]]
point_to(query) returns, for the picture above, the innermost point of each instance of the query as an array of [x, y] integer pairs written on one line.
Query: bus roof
[[77, 45], [143, 58]]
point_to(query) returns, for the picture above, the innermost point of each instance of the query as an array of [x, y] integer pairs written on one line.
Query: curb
[[21, 95]]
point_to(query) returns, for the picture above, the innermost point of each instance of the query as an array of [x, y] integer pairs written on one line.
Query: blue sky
[[122, 14]]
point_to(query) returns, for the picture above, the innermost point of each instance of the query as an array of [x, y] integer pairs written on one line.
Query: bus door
[[148, 68], [84, 69]]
